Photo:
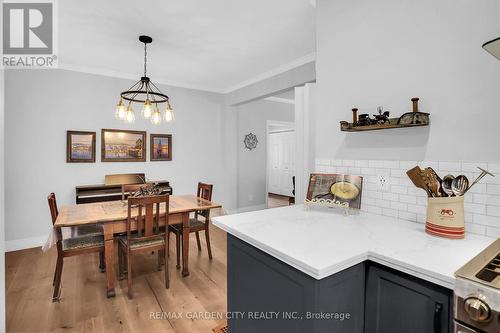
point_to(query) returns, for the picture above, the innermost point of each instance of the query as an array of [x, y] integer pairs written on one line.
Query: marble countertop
[[321, 242]]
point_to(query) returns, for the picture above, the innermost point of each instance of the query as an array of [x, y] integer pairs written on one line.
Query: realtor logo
[[28, 34]]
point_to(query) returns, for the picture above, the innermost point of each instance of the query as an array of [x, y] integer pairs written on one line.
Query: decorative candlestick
[[415, 104]]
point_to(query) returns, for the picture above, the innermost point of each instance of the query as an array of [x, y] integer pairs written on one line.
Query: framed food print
[[335, 189], [80, 147], [160, 147], [123, 146]]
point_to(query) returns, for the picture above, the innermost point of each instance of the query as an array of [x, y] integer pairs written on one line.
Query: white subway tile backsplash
[[399, 189], [376, 164], [405, 201], [391, 164], [361, 163], [450, 166], [493, 211], [493, 232]]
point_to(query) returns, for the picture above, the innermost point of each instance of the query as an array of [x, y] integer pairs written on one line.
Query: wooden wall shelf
[[393, 123]]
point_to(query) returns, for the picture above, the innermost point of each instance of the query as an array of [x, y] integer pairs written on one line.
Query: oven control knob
[[477, 309]]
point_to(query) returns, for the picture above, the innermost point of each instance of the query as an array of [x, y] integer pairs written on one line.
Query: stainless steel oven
[[477, 293]]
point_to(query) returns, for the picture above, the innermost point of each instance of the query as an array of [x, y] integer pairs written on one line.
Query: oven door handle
[[438, 309]]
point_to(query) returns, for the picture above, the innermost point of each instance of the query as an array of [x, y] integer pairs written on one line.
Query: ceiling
[[217, 45]]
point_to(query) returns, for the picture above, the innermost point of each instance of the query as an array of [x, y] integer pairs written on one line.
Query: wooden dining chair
[[83, 243], [129, 189], [147, 237], [195, 224]]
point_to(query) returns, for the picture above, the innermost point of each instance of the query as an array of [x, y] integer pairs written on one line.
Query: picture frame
[[80, 146], [160, 147], [123, 145], [332, 189]]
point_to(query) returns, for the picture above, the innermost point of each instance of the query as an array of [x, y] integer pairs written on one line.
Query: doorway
[[281, 147]]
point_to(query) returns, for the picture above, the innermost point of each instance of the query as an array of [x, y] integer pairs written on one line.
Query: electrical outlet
[[383, 183]]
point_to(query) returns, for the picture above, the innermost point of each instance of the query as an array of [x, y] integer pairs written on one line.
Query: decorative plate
[[250, 141]]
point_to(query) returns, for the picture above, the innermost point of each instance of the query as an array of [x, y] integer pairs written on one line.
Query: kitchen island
[[317, 270]]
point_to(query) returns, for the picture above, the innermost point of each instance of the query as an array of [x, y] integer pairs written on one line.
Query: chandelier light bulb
[[130, 116], [147, 109], [120, 112], [156, 117], [169, 113]]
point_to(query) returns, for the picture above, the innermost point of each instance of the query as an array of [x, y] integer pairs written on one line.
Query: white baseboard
[[25, 243], [246, 209]]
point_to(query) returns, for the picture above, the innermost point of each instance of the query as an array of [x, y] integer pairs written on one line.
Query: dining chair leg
[[207, 237], [198, 240], [129, 274], [178, 236], [120, 263], [165, 256], [57, 284], [55, 271], [160, 259], [102, 262]]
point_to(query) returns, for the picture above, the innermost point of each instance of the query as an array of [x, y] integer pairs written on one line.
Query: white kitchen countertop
[[321, 242]]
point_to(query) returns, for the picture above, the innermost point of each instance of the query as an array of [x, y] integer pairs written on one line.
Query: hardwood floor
[[85, 308], [275, 200]]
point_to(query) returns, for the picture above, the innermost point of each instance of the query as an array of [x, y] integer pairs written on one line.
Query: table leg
[[109, 252], [185, 244]]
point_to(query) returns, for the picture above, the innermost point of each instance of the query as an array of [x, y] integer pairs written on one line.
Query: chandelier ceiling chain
[[146, 92]]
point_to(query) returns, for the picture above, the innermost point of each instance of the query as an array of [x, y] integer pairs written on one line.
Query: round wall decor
[[250, 141]]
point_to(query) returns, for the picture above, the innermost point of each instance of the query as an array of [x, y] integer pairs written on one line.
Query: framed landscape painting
[[123, 146], [80, 147], [160, 147]]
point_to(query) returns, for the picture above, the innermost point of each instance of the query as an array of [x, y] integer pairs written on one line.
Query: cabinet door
[[398, 303]]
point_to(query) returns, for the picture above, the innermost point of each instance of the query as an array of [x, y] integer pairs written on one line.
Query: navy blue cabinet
[[397, 302]]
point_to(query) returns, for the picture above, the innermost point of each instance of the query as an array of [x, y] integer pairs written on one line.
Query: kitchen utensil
[[446, 185], [459, 185], [431, 182], [483, 173], [415, 175], [436, 185]]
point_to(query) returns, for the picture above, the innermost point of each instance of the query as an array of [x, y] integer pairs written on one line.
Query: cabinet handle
[[438, 308]]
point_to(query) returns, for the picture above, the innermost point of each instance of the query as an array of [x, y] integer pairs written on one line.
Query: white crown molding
[[280, 100], [311, 57], [123, 75]]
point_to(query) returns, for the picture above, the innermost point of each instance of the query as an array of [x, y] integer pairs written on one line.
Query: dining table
[[112, 215]]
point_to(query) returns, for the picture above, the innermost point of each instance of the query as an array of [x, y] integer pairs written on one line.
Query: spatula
[[415, 174]]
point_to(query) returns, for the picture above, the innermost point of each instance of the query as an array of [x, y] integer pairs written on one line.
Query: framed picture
[[160, 147], [335, 188], [123, 146], [80, 147]]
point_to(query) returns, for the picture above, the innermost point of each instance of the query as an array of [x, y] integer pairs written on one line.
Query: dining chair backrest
[[150, 209], [128, 189], [54, 212], [204, 192], [51, 198]]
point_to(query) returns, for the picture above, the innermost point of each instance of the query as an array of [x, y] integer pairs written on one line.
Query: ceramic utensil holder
[[445, 217]]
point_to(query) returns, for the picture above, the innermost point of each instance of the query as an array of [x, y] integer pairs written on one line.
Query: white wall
[[42, 104], [2, 206], [384, 52], [251, 168]]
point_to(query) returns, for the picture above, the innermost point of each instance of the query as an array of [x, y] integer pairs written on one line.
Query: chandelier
[[146, 92]]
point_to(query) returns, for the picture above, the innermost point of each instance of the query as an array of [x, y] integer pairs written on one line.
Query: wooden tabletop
[[109, 211]]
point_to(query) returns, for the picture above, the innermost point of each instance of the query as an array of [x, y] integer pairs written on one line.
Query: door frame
[[290, 128]]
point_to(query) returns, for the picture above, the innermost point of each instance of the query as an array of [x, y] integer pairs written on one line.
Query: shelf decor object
[[250, 141], [146, 92], [334, 190], [381, 121]]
